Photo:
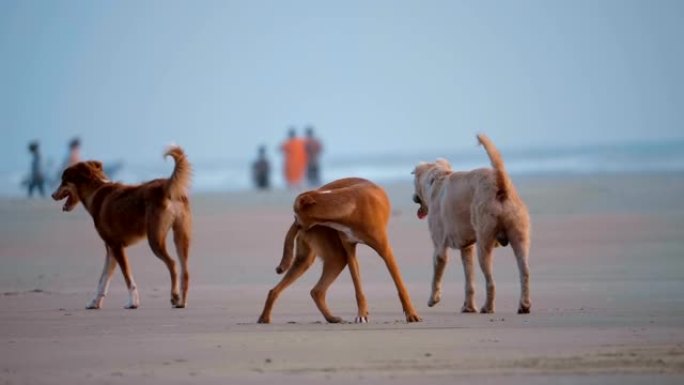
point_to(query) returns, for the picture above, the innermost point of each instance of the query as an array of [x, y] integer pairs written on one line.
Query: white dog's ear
[[441, 162], [419, 165]]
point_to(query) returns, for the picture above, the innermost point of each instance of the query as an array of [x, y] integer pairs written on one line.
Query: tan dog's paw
[[413, 318], [468, 308], [524, 309]]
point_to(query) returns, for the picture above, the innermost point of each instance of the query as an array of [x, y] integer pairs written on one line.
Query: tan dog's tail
[[502, 180], [178, 183], [288, 248]]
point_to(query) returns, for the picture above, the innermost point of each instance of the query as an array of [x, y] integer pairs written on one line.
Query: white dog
[[478, 208]]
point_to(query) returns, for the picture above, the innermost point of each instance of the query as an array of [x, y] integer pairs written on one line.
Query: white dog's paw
[[132, 305], [434, 300], [93, 305], [361, 320]]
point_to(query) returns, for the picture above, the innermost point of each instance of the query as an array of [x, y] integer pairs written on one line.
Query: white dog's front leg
[[439, 261]]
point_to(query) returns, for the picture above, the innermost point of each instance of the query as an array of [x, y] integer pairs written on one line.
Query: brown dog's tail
[[288, 248], [177, 185], [502, 180]]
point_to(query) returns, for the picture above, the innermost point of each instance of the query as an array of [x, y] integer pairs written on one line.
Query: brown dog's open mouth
[[71, 199]]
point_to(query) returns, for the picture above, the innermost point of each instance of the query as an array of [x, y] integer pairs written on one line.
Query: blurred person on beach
[[73, 156], [35, 178], [313, 152], [261, 170], [294, 153]]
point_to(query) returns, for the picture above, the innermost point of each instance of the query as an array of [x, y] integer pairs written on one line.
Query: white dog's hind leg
[[103, 284], [484, 255], [467, 258], [521, 250], [439, 261]]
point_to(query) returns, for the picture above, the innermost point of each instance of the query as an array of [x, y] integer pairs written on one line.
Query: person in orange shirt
[[294, 152]]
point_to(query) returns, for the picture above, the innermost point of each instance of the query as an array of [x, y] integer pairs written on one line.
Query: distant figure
[[294, 152], [261, 170], [36, 178], [313, 152], [74, 155]]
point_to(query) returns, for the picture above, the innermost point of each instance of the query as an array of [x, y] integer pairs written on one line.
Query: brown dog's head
[[74, 179], [424, 176]]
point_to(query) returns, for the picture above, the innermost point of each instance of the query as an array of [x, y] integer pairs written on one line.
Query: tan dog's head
[[424, 176], [75, 177]]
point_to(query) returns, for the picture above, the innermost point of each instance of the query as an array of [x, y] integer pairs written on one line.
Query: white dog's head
[[424, 176]]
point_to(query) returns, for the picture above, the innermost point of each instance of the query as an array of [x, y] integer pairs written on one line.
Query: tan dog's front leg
[[439, 260], [386, 253], [467, 258], [362, 314]]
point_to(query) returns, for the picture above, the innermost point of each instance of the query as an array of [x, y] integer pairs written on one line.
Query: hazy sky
[[221, 77]]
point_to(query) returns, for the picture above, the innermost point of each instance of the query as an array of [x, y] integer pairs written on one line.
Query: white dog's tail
[[502, 179], [177, 185]]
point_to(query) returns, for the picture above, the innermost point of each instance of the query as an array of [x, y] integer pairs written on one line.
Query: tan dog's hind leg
[[467, 258], [521, 250], [352, 261], [120, 257], [332, 267], [439, 260], [484, 255], [304, 260], [385, 252], [103, 284], [181, 239]]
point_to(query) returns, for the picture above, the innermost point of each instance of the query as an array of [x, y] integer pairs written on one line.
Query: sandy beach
[[607, 306]]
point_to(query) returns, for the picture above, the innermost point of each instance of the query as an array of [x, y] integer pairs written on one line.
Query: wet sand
[[607, 283]]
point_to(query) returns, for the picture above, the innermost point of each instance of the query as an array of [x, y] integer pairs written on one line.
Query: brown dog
[[330, 222], [476, 207], [125, 214]]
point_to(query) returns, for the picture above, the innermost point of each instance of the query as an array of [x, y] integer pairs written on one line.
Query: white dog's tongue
[[422, 213]]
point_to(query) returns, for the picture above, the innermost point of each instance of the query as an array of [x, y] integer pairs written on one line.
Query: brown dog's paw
[[334, 320], [361, 319], [179, 306], [524, 309], [264, 320], [413, 318]]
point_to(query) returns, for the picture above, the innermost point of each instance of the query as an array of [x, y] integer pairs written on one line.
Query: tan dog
[[330, 222], [464, 209], [125, 214]]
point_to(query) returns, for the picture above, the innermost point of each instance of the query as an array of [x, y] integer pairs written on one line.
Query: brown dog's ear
[[95, 164]]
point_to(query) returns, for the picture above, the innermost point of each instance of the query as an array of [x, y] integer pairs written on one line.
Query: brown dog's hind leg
[[156, 236], [133, 296], [304, 260], [467, 258], [352, 261], [332, 267], [181, 239]]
